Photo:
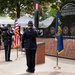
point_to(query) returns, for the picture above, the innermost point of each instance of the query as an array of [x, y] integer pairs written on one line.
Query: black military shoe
[[9, 60], [29, 71]]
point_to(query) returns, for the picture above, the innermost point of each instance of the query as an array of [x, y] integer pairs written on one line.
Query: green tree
[[14, 7], [52, 9]]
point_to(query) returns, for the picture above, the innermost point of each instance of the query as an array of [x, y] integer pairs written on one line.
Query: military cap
[[8, 25], [30, 23]]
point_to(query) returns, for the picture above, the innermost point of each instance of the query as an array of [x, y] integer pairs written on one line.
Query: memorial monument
[[68, 27]]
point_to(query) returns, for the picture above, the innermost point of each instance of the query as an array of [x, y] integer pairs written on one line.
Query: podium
[[40, 53]]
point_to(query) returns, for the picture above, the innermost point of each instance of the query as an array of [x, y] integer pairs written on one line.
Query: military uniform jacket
[[7, 37], [0, 36], [29, 38]]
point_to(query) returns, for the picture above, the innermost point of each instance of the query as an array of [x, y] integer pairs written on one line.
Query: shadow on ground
[[49, 73], [62, 60]]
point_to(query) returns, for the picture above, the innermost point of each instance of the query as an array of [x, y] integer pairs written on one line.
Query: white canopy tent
[[45, 23], [23, 21], [4, 20]]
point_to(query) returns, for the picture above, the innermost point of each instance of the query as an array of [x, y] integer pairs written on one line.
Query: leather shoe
[[29, 71], [9, 60]]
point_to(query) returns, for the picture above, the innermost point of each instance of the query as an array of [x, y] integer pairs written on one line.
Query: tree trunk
[[18, 10]]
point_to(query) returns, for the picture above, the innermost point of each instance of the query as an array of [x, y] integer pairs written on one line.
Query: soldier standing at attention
[[29, 40], [7, 39], [0, 37]]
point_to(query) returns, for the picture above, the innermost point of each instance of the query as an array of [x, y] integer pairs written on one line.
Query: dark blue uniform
[[0, 36], [7, 39], [29, 41], [1, 30]]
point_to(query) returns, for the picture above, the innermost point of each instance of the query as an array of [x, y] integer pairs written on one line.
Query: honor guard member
[[1, 31], [0, 36], [7, 39], [29, 41]]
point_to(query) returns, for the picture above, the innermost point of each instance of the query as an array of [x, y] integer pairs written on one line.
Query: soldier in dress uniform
[[7, 39], [0, 36], [29, 41]]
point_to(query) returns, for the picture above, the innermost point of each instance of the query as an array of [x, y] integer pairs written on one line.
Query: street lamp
[[36, 14]]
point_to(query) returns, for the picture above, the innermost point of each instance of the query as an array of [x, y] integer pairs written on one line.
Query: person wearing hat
[[7, 40], [29, 40]]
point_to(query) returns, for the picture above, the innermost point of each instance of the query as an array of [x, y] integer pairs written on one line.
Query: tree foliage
[[52, 9], [14, 7]]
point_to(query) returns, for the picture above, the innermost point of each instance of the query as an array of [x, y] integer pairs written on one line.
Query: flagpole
[[17, 54], [17, 46], [57, 67]]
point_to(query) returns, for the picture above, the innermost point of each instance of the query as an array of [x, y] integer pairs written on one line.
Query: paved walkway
[[18, 67]]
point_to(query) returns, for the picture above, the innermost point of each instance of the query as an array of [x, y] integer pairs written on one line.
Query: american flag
[[16, 34]]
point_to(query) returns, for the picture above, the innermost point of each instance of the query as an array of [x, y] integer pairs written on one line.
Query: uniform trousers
[[30, 56], [0, 44], [7, 52]]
